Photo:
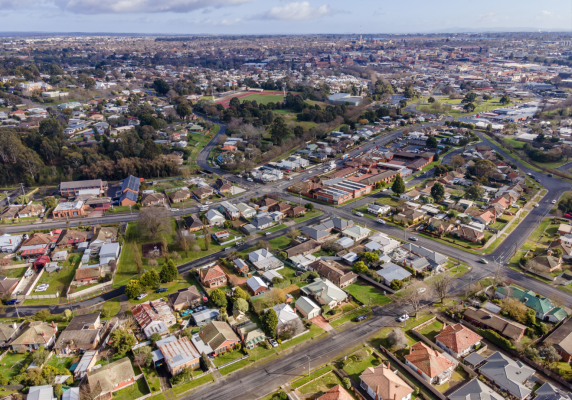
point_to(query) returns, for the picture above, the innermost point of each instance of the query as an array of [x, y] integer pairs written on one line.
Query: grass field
[[263, 98], [482, 107], [367, 294], [58, 281], [431, 330], [14, 363], [321, 385], [192, 384], [138, 389]]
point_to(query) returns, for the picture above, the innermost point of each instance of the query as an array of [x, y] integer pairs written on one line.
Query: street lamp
[[308, 364]]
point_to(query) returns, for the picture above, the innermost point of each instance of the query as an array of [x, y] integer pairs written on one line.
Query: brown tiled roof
[[510, 329], [336, 393], [387, 384], [332, 272], [210, 273], [430, 361], [180, 194], [458, 337]]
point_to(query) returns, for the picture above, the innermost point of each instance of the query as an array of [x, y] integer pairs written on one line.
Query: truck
[[345, 156]]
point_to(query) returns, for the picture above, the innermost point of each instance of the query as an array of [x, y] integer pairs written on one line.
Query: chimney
[[388, 365], [394, 396], [15, 326]]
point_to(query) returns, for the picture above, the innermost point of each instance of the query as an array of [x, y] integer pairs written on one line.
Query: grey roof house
[[508, 374], [393, 271]]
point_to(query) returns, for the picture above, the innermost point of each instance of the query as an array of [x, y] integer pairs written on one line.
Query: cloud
[[488, 15], [546, 13], [137, 6], [296, 11]]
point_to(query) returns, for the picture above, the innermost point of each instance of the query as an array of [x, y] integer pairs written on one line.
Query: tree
[[398, 186], [168, 272], [22, 199], [40, 356], [123, 341], [86, 392], [431, 142], [42, 315], [133, 289], [550, 354], [150, 279], [441, 286], [161, 86], [50, 201], [309, 206], [475, 192], [183, 241], [154, 220], [505, 100], [293, 233], [184, 110], [67, 314], [155, 337], [457, 160], [469, 107], [396, 284], [347, 383], [431, 100], [137, 258], [440, 170], [240, 305], [58, 391], [438, 192], [218, 297], [239, 293], [270, 322], [204, 362], [51, 129], [207, 236], [414, 297], [397, 340], [370, 257], [278, 131], [360, 267]]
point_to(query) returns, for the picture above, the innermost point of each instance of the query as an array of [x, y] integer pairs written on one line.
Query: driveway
[[322, 323]]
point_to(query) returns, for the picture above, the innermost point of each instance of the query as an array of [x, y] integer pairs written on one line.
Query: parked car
[[273, 342], [361, 318], [267, 233], [381, 221], [483, 261], [174, 209], [161, 290], [536, 205], [401, 318], [29, 273], [413, 238], [11, 302], [249, 179], [553, 201], [359, 214], [208, 202], [141, 296], [550, 175]]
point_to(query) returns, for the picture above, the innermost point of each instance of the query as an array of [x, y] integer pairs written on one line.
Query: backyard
[[431, 330], [60, 280], [12, 363]]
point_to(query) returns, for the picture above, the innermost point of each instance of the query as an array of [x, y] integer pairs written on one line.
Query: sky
[[283, 16]]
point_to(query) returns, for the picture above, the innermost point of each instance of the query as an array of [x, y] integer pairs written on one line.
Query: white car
[[141, 296], [174, 209], [359, 214], [249, 180], [29, 273], [402, 318], [421, 290], [553, 201], [380, 221], [536, 205]]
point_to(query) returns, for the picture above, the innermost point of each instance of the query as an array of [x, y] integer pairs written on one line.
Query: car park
[[141, 296]]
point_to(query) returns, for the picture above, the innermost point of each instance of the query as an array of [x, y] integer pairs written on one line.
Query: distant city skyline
[[282, 16]]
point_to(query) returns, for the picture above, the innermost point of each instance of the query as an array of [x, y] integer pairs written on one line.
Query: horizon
[[279, 17]]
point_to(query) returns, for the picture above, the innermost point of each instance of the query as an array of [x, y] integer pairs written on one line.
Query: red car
[[568, 216]]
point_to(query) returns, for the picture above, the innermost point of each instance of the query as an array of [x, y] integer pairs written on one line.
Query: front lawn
[[431, 330], [111, 307], [280, 243], [367, 294], [322, 385], [227, 357], [308, 215], [359, 361], [276, 228], [138, 389]]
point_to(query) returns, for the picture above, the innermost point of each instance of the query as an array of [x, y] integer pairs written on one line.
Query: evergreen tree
[[168, 272], [398, 186], [270, 322]]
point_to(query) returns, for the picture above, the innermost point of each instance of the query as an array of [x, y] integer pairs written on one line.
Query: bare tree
[[207, 234], [500, 276], [183, 241], [293, 233], [154, 220], [397, 340], [88, 393], [137, 258], [441, 286], [414, 297]]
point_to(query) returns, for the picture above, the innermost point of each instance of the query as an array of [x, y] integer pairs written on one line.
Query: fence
[[414, 374], [37, 296], [233, 361], [375, 283], [102, 286], [344, 314]]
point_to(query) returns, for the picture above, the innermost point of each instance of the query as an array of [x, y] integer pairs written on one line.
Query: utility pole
[[308, 364], [22, 186]]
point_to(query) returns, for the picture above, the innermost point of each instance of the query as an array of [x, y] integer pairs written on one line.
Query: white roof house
[[214, 217], [285, 314], [264, 260], [356, 232], [9, 243]]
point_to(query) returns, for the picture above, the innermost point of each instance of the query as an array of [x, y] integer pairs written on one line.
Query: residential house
[[87, 274], [330, 270], [543, 307], [229, 210], [76, 188], [467, 233], [193, 223], [154, 317], [108, 252], [223, 186], [357, 233], [286, 318], [263, 222], [219, 336], [378, 209], [31, 210], [250, 333], [71, 238], [241, 267], [10, 213], [475, 390], [203, 317], [127, 195], [44, 392], [296, 211], [256, 285], [304, 248], [549, 392], [382, 243], [212, 276], [484, 319], [546, 263], [381, 383], [391, 271], [215, 218], [180, 354], [154, 199], [336, 393], [101, 236], [264, 260], [486, 217], [431, 365], [203, 192], [70, 209], [507, 374], [280, 207], [245, 210], [434, 258], [82, 333], [267, 202], [457, 340], [111, 378], [561, 340], [9, 332], [34, 335], [325, 292], [7, 285], [307, 308], [178, 196], [185, 298], [9, 243]]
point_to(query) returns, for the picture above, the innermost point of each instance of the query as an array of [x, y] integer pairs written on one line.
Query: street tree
[[414, 296], [442, 286], [432, 142]]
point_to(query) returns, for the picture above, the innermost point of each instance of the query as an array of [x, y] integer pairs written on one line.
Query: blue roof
[[128, 195], [131, 182]]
